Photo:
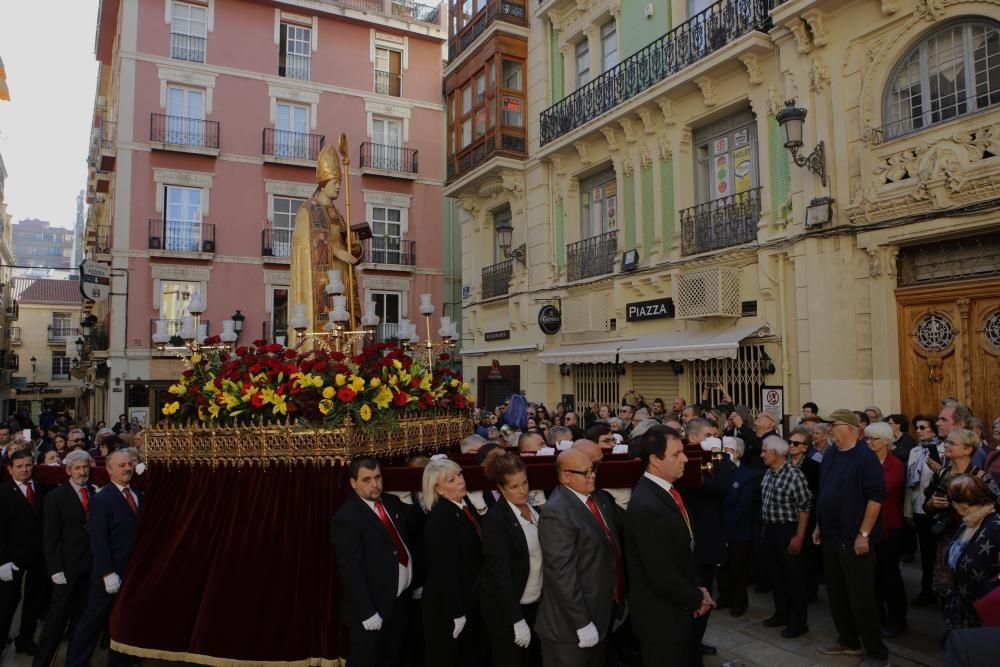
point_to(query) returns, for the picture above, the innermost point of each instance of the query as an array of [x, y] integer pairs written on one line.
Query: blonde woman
[[453, 629]]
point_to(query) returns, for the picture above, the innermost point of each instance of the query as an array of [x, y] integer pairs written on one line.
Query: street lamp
[[238, 319], [79, 346], [792, 119], [87, 325], [33, 362], [505, 233]]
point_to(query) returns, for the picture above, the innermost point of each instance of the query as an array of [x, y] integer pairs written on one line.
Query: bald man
[[582, 568]]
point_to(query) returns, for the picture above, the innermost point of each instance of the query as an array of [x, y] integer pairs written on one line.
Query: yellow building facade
[[671, 241]]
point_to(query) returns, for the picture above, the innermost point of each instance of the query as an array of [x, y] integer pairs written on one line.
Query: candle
[[426, 307], [197, 305], [299, 322], [334, 285]]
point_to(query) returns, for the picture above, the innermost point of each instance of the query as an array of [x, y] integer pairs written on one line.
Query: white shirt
[[659, 481], [121, 489], [405, 571], [533, 587], [584, 499]]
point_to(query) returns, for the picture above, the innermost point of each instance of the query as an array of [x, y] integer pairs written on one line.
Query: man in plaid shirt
[[786, 503]]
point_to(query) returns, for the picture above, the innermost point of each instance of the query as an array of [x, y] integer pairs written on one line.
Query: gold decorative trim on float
[[289, 443], [212, 661]]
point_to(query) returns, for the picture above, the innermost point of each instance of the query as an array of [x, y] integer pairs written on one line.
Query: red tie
[[30, 495], [472, 520], [404, 560], [680, 502], [85, 500], [130, 500], [619, 579]]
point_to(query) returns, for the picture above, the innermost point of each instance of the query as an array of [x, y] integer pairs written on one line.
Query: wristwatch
[[863, 534]]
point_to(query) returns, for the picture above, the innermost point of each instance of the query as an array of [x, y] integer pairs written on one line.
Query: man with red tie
[[582, 571], [22, 562], [375, 561], [664, 591], [67, 553], [113, 525]]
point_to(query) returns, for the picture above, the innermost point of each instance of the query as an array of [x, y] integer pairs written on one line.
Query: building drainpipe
[[786, 369]]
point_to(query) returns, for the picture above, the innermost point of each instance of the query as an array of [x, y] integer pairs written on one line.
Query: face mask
[[711, 444], [564, 445]]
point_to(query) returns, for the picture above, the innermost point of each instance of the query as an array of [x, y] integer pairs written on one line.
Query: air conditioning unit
[[708, 293]]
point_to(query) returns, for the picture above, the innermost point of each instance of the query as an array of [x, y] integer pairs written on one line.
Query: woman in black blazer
[[512, 574], [453, 627]]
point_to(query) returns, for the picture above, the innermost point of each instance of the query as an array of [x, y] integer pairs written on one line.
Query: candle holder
[[433, 350], [193, 332]]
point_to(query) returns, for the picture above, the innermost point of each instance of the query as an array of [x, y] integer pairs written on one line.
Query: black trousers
[[383, 647], [68, 602], [666, 654], [706, 576], [557, 654], [92, 622], [788, 575], [34, 579], [734, 575], [850, 584], [505, 653], [928, 551], [889, 590]]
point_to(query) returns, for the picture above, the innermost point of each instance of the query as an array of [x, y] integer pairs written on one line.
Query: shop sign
[[549, 320], [656, 309], [497, 335], [95, 280]]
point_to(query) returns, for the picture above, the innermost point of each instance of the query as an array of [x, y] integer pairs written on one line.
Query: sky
[[45, 127]]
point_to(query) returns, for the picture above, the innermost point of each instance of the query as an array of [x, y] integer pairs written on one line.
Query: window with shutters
[[388, 71]]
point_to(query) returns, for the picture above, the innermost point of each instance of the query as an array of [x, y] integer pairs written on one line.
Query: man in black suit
[[113, 525], [664, 592], [67, 553], [23, 562], [582, 569], [375, 561]]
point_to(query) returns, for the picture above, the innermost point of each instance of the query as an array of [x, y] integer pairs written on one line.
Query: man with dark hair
[[601, 434], [810, 409], [21, 555], [372, 542], [664, 590], [529, 443]]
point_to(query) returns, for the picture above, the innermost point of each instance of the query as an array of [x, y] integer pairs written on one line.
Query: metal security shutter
[[654, 380]]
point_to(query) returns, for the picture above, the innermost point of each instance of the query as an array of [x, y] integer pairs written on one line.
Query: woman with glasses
[[923, 461], [511, 583], [889, 591], [959, 447], [974, 555], [800, 445]]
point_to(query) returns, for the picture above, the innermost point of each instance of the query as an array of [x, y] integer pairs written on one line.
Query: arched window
[[953, 71]]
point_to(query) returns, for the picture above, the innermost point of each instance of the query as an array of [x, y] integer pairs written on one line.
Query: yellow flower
[[177, 389], [329, 393], [425, 382], [365, 412], [357, 383], [171, 408], [195, 358], [383, 398], [267, 395], [374, 383], [279, 404], [404, 377], [213, 410], [201, 413], [397, 363], [318, 381], [454, 383], [231, 400], [464, 387], [339, 379], [393, 380], [326, 406]]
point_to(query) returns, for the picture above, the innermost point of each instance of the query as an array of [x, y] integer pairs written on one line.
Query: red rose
[[291, 354], [188, 373], [341, 368], [406, 361], [400, 399], [260, 342], [320, 366], [193, 391], [257, 401], [241, 351], [387, 362], [459, 402], [337, 356], [414, 382], [428, 398], [345, 394], [444, 357]]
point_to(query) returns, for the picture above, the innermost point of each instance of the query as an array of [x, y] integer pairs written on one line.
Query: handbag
[[988, 608]]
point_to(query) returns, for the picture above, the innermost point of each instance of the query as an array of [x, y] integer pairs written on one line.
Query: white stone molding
[[183, 178], [186, 77]]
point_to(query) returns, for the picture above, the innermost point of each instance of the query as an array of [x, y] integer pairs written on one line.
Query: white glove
[[459, 626], [140, 468], [59, 578], [373, 623], [418, 593], [7, 572], [522, 635], [112, 583], [588, 636]]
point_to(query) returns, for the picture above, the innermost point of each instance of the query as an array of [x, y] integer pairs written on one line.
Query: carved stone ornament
[[667, 108], [666, 149], [819, 76], [611, 137], [775, 101], [583, 148], [889, 7], [645, 158], [930, 10], [558, 164], [708, 90], [648, 121], [752, 63], [801, 33], [874, 263], [628, 127], [814, 18]]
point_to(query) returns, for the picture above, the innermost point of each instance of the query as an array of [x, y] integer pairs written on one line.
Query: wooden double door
[[950, 347]]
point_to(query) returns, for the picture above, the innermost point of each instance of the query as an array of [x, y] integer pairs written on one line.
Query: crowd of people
[[580, 575], [64, 547]]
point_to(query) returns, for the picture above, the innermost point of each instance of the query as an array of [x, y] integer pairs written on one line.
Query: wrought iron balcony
[[294, 66], [106, 134], [414, 11], [178, 131], [187, 47], [592, 257], [509, 11], [388, 158], [496, 278], [102, 245], [13, 362], [691, 41], [60, 334], [512, 144], [387, 331], [388, 83], [721, 223], [12, 310], [174, 331], [181, 236], [14, 335], [276, 242], [390, 250], [292, 145]]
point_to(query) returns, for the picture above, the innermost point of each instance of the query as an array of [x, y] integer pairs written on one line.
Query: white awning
[[482, 351], [723, 344], [668, 346]]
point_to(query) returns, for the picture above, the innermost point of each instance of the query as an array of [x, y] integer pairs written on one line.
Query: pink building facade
[[208, 118]]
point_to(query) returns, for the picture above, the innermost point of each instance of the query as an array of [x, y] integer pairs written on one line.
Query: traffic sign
[[95, 280]]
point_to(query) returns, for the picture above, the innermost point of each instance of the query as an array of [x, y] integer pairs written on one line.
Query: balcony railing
[[102, 245], [174, 331], [13, 362], [496, 278], [388, 83], [181, 236], [390, 250], [12, 310], [511, 145], [386, 331], [698, 37], [178, 131], [502, 10], [414, 11], [59, 334], [294, 145], [106, 134], [280, 334], [592, 257], [389, 158], [14, 335], [294, 67], [187, 47], [276, 242], [721, 223]]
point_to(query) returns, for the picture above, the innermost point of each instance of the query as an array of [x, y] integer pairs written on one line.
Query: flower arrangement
[[269, 383]]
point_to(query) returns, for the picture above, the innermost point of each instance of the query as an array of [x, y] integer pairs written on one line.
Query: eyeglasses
[[795, 443], [923, 428], [585, 473]]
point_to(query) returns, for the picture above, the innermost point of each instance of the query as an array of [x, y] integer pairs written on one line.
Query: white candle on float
[[426, 307], [299, 320], [196, 305], [334, 284]]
